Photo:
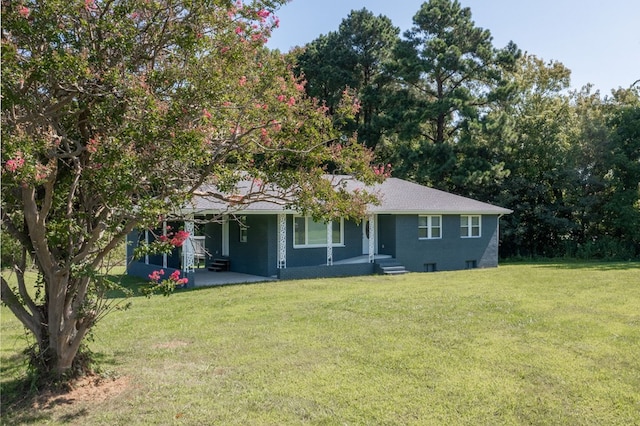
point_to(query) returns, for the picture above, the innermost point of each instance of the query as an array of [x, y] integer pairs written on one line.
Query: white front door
[[365, 236]]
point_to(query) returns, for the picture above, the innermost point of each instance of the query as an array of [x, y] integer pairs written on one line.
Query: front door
[[365, 236]]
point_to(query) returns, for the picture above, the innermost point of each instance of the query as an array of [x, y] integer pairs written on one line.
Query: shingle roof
[[401, 196], [395, 195]]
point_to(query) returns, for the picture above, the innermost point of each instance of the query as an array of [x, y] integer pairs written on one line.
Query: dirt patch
[[90, 388], [171, 345]]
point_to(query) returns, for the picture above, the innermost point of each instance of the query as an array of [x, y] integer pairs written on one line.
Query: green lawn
[[528, 344]]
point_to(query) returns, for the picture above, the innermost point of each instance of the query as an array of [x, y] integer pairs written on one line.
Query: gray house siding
[[213, 241], [451, 252], [387, 234], [252, 256], [318, 255]]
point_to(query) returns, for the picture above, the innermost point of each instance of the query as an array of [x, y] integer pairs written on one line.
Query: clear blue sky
[[599, 41]]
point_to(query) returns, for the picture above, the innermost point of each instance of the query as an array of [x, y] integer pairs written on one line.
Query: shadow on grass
[[577, 264], [24, 401]]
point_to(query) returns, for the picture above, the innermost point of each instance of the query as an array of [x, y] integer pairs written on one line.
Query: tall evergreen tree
[[352, 58], [447, 71]]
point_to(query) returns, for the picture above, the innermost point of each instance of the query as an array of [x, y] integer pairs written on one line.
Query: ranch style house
[[414, 228]]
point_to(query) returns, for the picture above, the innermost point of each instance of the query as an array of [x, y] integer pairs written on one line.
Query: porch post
[[329, 243], [225, 235], [146, 243], [282, 241], [188, 258], [372, 238], [164, 232]]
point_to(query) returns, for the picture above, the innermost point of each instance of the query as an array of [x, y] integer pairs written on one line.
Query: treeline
[[447, 108]]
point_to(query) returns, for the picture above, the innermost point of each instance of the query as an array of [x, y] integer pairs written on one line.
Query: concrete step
[[397, 272], [391, 266], [394, 270], [219, 265]]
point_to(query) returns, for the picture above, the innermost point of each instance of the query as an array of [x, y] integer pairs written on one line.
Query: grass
[[529, 344]]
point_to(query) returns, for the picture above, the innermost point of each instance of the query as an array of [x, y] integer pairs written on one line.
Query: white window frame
[[470, 227], [244, 230], [430, 227], [306, 244]]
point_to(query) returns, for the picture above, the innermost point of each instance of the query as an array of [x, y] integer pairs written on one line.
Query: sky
[[599, 41]]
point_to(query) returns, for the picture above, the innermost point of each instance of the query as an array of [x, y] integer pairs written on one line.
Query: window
[[469, 226], [308, 233], [430, 267], [242, 223], [429, 227]]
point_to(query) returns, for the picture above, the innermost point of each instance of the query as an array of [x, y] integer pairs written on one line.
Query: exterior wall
[[451, 252], [397, 236], [314, 256], [213, 240], [252, 256], [138, 268], [387, 234], [134, 238], [324, 271]]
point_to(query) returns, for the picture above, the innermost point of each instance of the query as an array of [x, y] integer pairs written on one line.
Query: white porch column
[[188, 261], [329, 243], [372, 238], [282, 241], [146, 243], [225, 235], [164, 232]]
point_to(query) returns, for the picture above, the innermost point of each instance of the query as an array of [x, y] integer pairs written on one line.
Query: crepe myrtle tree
[[115, 112]]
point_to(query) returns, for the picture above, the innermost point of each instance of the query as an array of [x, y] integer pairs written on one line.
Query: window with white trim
[[309, 233], [470, 226], [429, 227], [242, 222]]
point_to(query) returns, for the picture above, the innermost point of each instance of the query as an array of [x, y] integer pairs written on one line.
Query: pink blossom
[[264, 14], [242, 81], [92, 145], [24, 11], [292, 101], [175, 275], [224, 49], [239, 30], [90, 5], [156, 275], [15, 163], [179, 238], [41, 172], [11, 165], [206, 114], [281, 98]]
